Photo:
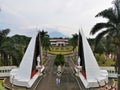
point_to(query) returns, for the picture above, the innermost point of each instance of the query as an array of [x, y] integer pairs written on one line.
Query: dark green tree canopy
[[110, 29], [59, 60], [74, 40], [45, 40], [12, 48], [3, 34]]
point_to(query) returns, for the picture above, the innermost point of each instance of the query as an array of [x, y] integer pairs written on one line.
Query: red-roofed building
[[59, 41]]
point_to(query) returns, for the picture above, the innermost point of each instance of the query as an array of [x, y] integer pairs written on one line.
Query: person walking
[[57, 81]]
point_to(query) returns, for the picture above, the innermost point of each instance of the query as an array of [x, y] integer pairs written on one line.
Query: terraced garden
[[60, 50]]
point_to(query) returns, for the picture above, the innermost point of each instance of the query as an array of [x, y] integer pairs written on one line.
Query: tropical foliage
[[59, 60], [45, 41], [74, 42], [11, 48], [110, 29]]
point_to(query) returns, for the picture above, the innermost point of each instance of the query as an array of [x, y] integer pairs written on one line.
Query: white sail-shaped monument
[[26, 74], [90, 75]]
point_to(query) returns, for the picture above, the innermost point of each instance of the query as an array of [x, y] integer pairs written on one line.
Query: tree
[[45, 41], [46, 44], [74, 42], [110, 29], [3, 36], [43, 34], [12, 55], [59, 60], [10, 51]]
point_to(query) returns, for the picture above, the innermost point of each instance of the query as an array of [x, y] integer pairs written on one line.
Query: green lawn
[[1, 87]]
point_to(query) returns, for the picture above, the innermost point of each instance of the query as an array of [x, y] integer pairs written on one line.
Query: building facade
[[59, 41]]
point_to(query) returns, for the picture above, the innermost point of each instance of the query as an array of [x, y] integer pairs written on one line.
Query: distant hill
[[20, 39], [56, 34]]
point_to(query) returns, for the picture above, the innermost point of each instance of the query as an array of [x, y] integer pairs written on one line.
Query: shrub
[[97, 56], [59, 60], [102, 59]]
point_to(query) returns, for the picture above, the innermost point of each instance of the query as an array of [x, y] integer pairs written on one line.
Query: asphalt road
[[68, 80]]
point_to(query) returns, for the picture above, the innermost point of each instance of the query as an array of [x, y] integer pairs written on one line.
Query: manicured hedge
[[59, 60]]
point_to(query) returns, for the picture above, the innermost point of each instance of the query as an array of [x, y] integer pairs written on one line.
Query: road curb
[[5, 85]]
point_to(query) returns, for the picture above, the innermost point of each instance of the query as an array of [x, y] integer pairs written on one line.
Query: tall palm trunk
[[74, 55], [14, 61], [5, 59], [116, 65], [46, 53], [0, 58], [118, 59]]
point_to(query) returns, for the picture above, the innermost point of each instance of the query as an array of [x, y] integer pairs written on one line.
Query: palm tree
[[74, 42], [110, 29], [11, 51], [45, 41], [43, 34], [9, 54], [46, 44], [3, 36]]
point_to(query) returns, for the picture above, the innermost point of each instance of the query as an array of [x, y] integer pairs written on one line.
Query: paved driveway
[[67, 80]]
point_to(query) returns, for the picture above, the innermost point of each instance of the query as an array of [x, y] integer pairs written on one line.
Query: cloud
[[66, 16]]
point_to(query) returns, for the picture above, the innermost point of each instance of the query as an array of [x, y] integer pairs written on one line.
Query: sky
[[26, 17]]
